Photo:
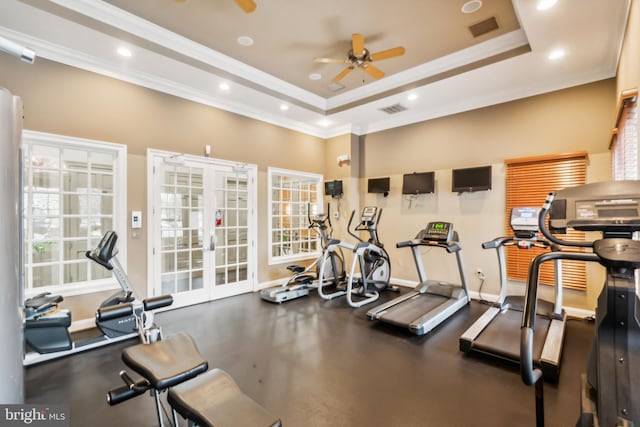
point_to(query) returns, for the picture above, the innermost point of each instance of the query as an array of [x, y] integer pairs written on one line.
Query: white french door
[[202, 227]]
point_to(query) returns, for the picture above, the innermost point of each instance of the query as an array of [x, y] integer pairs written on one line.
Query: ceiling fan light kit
[[360, 57]]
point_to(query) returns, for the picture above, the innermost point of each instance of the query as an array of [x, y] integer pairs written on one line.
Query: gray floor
[[321, 363]]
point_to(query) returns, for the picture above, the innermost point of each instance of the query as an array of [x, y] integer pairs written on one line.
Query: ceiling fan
[[359, 57], [247, 5]]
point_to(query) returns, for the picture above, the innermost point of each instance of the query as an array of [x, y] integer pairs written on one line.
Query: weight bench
[[214, 399], [205, 399]]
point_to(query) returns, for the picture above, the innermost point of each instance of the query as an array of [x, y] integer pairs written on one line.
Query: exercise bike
[[306, 279], [46, 324], [610, 389], [371, 258]]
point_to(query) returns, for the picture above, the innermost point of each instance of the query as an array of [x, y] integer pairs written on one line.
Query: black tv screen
[[378, 185], [418, 183], [333, 188], [471, 179]]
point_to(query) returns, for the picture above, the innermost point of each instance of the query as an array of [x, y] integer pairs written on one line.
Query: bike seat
[[295, 268]]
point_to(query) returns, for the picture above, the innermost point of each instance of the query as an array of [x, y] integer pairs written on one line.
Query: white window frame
[[625, 155], [119, 207], [306, 176]]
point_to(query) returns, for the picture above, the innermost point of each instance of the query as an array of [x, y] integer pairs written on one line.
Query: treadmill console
[[602, 206], [524, 222], [368, 215], [440, 232]]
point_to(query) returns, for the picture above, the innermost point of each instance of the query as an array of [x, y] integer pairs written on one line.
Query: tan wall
[[68, 101], [629, 65], [64, 100], [576, 119]]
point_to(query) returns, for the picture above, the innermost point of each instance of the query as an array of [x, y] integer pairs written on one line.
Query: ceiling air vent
[[335, 86], [484, 27], [392, 109]]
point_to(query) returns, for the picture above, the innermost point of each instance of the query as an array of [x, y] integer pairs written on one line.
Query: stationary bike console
[[105, 250]]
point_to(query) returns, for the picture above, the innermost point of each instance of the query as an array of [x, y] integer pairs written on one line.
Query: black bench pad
[[167, 362], [214, 399]]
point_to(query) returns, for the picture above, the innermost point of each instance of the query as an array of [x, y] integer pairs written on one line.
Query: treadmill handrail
[[513, 240], [530, 375], [451, 247]]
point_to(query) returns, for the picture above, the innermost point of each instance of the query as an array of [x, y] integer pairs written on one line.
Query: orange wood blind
[[529, 180], [624, 138]]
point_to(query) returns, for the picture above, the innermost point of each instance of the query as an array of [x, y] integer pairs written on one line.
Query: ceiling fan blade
[[373, 71], [247, 5], [357, 44], [328, 60], [389, 53], [342, 74]]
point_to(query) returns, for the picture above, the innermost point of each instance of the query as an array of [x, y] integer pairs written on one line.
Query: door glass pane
[[168, 283], [182, 227], [197, 280], [231, 225]]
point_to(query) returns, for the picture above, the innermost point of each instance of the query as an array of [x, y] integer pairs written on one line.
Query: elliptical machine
[[306, 279], [371, 258], [610, 390], [46, 325]]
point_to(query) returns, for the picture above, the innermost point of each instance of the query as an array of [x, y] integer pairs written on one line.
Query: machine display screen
[[525, 218], [438, 231]]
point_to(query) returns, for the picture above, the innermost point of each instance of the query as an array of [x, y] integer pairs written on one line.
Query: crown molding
[[132, 24]]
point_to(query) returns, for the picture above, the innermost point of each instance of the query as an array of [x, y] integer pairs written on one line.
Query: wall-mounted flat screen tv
[[418, 183], [471, 179], [379, 185], [333, 188]]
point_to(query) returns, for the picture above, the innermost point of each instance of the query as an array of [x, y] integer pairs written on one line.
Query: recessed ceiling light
[[324, 123], [556, 54], [245, 41], [546, 4], [412, 96], [471, 6], [124, 51], [284, 107], [224, 86], [315, 76]]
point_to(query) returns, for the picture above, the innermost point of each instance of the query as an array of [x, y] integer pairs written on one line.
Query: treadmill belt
[[501, 337], [407, 311]]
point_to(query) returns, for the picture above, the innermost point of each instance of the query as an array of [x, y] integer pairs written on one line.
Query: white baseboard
[[571, 311]]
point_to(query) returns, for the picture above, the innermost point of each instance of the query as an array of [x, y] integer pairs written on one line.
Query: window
[[529, 180], [73, 192], [624, 138], [292, 194]]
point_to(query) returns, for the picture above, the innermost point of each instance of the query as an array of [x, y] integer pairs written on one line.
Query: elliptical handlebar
[[542, 223], [530, 375], [353, 212]]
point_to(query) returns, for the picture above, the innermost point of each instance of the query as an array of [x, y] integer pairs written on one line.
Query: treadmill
[[432, 301], [497, 331]]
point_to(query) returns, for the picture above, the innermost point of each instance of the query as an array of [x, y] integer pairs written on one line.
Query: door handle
[[212, 244]]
